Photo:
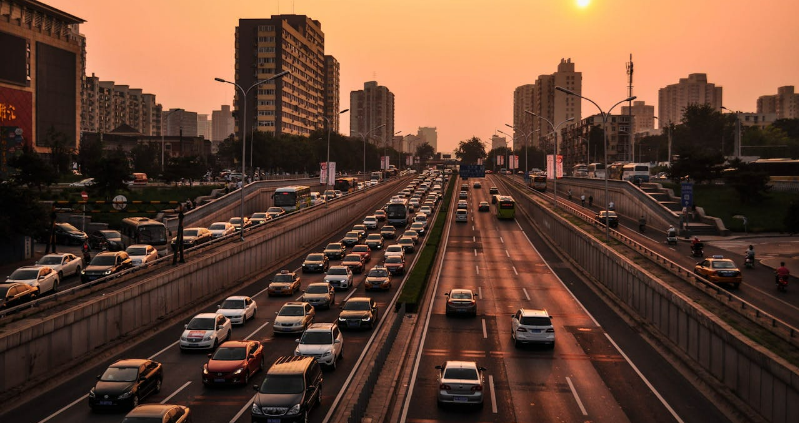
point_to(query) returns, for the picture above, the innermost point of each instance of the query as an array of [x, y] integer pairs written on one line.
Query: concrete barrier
[[756, 382]]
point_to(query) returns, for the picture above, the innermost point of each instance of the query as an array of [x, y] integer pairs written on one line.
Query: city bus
[[143, 230], [596, 170], [345, 185], [615, 170], [397, 213], [636, 171], [778, 169], [292, 198], [505, 207], [539, 183], [579, 171]]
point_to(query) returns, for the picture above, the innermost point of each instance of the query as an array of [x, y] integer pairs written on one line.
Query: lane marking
[[165, 348], [480, 293], [246, 406], [491, 392], [256, 331], [473, 227], [515, 270], [483, 323], [64, 408], [477, 271], [508, 255], [475, 250], [351, 293], [473, 239], [577, 398], [501, 239], [526, 294], [176, 392]]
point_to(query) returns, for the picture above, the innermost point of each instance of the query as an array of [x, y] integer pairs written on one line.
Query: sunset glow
[[583, 3]]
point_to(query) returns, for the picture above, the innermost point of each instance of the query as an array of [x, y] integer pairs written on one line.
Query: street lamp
[[604, 115], [328, 160], [555, 154], [166, 117], [527, 141], [399, 153], [364, 137], [244, 133]]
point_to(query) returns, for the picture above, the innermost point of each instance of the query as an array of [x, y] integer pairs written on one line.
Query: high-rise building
[[673, 99], [783, 105], [107, 106], [498, 142], [642, 114], [369, 109], [222, 123], [332, 106], [203, 126], [293, 104], [543, 99], [428, 134], [573, 141], [523, 100], [179, 122]]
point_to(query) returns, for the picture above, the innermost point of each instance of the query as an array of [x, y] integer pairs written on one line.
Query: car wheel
[[228, 337], [158, 386], [215, 344], [736, 286], [60, 274], [253, 317], [34, 295], [135, 401], [333, 364], [78, 270]]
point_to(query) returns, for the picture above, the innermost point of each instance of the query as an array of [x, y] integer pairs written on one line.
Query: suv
[[105, 264], [358, 312], [534, 326], [324, 342], [293, 386]]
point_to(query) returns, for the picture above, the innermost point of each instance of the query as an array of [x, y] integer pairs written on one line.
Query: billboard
[[559, 166], [16, 117]]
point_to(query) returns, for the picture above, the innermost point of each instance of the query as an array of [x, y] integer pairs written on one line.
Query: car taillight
[[444, 387], [476, 388], [551, 330], [522, 330]]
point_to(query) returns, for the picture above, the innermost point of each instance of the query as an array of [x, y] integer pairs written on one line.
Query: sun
[[583, 3]]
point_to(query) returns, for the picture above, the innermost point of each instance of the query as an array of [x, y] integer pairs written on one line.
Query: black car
[[351, 238], [335, 251], [494, 190], [292, 386], [316, 262], [105, 264], [69, 235], [193, 237], [125, 383], [387, 231], [358, 312], [14, 294], [613, 220], [112, 240]]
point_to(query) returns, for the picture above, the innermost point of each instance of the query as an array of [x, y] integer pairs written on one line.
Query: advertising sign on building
[[500, 160], [15, 124]]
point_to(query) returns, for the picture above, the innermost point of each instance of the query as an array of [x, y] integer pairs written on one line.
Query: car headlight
[[238, 372], [295, 410], [83, 272], [366, 319], [342, 319], [297, 351], [91, 393], [126, 395], [255, 409], [205, 370], [183, 338], [326, 353], [107, 272], [207, 338]]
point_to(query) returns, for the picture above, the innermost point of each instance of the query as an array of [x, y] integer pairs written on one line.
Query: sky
[[454, 64]]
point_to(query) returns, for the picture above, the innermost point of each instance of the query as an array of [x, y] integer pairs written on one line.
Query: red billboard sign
[[16, 118]]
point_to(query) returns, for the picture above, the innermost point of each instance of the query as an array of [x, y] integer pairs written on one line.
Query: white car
[[65, 264], [461, 215], [205, 331], [42, 277], [395, 250], [220, 229], [83, 183], [323, 341], [238, 309], [532, 326], [426, 209], [142, 254], [371, 222], [339, 277]]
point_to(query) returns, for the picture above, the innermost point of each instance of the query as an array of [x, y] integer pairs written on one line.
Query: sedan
[[375, 241], [387, 231], [419, 227], [461, 301], [284, 283], [126, 382], [83, 183], [220, 229], [483, 206], [380, 214], [460, 382], [205, 331], [320, 294], [69, 235], [361, 229], [411, 234], [407, 243], [354, 261], [371, 222], [65, 264], [43, 278], [14, 294], [719, 270], [358, 312], [237, 223], [105, 264], [350, 239], [155, 413], [106, 240], [395, 264], [141, 254], [378, 278], [234, 362], [293, 317], [274, 212], [364, 251], [239, 309], [335, 251], [340, 277], [193, 237], [315, 262], [259, 218]]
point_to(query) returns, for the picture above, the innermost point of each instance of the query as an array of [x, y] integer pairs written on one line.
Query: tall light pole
[[166, 117], [328, 160], [604, 115], [364, 137], [738, 150], [527, 141], [555, 153], [399, 153], [244, 132]]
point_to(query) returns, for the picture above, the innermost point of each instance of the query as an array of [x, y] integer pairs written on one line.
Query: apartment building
[[179, 122], [203, 126], [429, 135], [523, 122], [332, 106], [573, 142], [222, 123], [643, 116], [498, 142], [783, 105], [107, 106], [372, 113], [695, 89]]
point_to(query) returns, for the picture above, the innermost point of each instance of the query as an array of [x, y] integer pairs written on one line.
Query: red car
[[233, 363], [355, 262], [364, 251]]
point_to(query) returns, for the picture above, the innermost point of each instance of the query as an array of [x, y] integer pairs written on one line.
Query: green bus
[[505, 207]]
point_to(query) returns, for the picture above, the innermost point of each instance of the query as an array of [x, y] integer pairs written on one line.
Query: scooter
[[749, 261], [672, 238], [782, 282], [697, 250]]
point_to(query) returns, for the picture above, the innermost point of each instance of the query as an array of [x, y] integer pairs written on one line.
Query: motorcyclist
[[87, 257], [696, 245], [750, 254], [671, 232], [781, 272]]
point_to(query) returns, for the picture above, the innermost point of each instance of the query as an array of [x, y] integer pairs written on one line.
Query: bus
[[579, 171], [615, 170], [143, 230], [505, 207], [636, 171], [345, 185], [539, 183], [778, 169], [397, 213], [292, 198], [596, 170]]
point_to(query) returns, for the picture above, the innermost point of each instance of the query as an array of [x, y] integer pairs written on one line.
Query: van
[[291, 387]]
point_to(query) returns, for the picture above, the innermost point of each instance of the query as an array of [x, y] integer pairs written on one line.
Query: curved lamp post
[[555, 154], [364, 137], [328, 159]]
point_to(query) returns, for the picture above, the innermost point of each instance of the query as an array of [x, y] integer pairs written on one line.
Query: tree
[[61, 150], [425, 152], [146, 158], [27, 216], [469, 151], [90, 156], [748, 182], [110, 175], [33, 171], [699, 168], [491, 157]]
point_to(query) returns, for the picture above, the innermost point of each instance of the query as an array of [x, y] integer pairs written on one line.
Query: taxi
[[284, 283], [719, 270]]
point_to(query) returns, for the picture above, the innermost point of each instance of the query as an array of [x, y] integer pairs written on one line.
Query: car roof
[[339, 267], [56, 255], [109, 253], [142, 245], [319, 283], [206, 316], [461, 364], [237, 297], [532, 312], [358, 299], [130, 362], [150, 410], [320, 327], [293, 303], [291, 365], [34, 266]]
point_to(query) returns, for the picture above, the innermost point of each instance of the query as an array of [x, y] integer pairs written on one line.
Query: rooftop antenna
[[629, 69]]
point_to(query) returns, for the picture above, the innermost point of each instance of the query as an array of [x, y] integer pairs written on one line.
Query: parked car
[[125, 383], [233, 363], [65, 264], [323, 341], [111, 240], [105, 264], [205, 331], [239, 309], [142, 254]]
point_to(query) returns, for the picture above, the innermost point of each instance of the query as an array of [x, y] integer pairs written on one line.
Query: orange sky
[[454, 64]]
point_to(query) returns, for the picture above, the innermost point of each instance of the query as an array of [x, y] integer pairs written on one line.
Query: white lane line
[[477, 271], [508, 255], [64, 408], [483, 323], [515, 270], [480, 293], [526, 294], [351, 293], [473, 239], [501, 240], [256, 331], [176, 391], [475, 250], [259, 292], [491, 392], [473, 227], [245, 408], [577, 398], [165, 348]]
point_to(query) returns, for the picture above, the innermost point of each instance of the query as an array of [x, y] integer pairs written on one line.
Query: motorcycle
[[782, 282], [749, 261], [672, 237], [697, 250]]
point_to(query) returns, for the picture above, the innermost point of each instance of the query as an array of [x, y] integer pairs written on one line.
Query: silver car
[[460, 382], [340, 277], [320, 294], [65, 264]]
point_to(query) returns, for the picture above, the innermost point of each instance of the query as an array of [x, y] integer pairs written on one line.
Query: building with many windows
[[783, 105], [107, 106], [673, 99], [523, 100], [222, 123], [643, 116], [369, 109], [203, 126], [498, 142], [573, 142], [179, 122], [332, 106]]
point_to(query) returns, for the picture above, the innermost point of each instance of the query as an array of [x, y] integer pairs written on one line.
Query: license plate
[[219, 380], [460, 399], [104, 402], [536, 331], [273, 420], [194, 340], [352, 324]]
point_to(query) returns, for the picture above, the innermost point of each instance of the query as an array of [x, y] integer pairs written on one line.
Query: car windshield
[[111, 234], [360, 249], [201, 323], [722, 265], [317, 289], [259, 215], [232, 305], [291, 311], [417, 225], [191, 232], [461, 296], [394, 259], [374, 237], [387, 229], [351, 235], [282, 385], [50, 260], [370, 219], [352, 257], [535, 321], [22, 274], [334, 247], [274, 210], [103, 261], [462, 374], [67, 227], [405, 241], [356, 305], [314, 257], [337, 271], [230, 353], [316, 338], [410, 233], [137, 251], [120, 374], [235, 220], [217, 227], [281, 277]]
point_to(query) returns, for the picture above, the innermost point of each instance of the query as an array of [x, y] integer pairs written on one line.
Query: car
[[462, 205], [65, 264], [532, 326], [354, 261], [411, 234], [324, 342], [220, 229], [395, 264], [378, 278], [105, 264], [193, 237], [395, 250], [476, 184], [83, 183], [291, 388], [293, 317], [320, 294], [460, 382], [463, 194], [141, 254], [461, 216], [328, 194], [106, 240], [427, 210], [407, 243], [387, 231], [205, 331], [364, 251], [339, 193], [719, 270], [419, 227], [67, 234], [335, 251], [275, 212], [350, 239], [233, 363], [613, 220], [421, 217], [361, 229], [340, 277], [358, 312], [374, 241], [371, 222], [284, 283], [14, 294], [380, 215], [464, 187], [483, 206], [125, 383], [158, 413], [237, 223], [461, 301], [239, 309], [315, 262], [260, 217]]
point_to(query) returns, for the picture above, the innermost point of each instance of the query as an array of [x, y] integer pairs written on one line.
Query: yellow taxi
[[719, 270]]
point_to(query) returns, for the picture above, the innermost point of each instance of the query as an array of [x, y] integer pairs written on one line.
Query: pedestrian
[[583, 200], [591, 200], [611, 205], [189, 204]]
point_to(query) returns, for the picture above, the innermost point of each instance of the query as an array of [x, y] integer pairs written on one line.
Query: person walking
[[583, 200], [591, 200]]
